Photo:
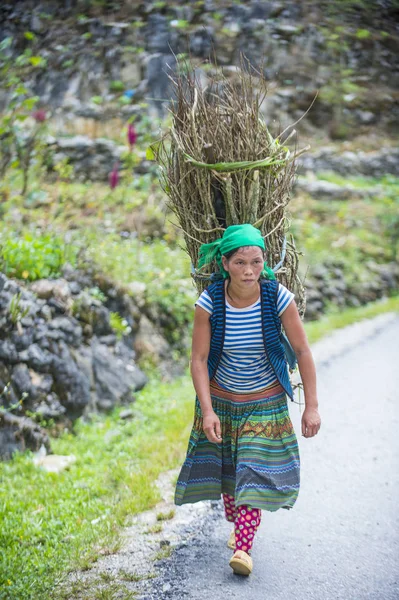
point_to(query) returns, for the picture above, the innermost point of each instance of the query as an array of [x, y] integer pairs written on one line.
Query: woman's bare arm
[[296, 334], [199, 372]]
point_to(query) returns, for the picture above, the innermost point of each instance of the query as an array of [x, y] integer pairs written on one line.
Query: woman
[[242, 443]]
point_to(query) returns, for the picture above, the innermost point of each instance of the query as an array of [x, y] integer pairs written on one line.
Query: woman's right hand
[[211, 427]]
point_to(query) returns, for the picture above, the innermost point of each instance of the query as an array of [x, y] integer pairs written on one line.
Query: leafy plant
[[16, 311], [38, 418], [116, 86], [95, 292], [119, 325], [64, 169], [34, 257], [16, 405], [363, 34], [97, 100]]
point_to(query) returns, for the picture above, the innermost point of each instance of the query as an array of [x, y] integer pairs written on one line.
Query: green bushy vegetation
[[128, 234], [357, 229], [31, 256], [53, 523], [165, 270]]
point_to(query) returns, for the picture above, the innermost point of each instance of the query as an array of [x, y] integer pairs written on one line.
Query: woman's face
[[245, 266]]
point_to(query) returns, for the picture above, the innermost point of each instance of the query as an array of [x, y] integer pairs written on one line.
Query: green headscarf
[[234, 237]]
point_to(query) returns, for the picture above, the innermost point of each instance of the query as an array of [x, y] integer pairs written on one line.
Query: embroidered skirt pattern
[[257, 462]]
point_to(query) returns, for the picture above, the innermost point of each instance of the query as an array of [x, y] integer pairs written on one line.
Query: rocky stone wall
[[93, 160], [61, 357], [104, 51], [329, 286]]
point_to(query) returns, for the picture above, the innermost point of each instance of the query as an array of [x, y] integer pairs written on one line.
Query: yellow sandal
[[241, 563]]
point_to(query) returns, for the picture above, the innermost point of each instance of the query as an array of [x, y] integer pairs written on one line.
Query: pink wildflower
[[131, 135], [39, 115], [113, 177]]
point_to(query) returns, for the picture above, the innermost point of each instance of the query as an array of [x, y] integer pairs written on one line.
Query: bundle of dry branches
[[220, 166]]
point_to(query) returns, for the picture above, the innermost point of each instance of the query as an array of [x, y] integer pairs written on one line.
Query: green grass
[[122, 574], [355, 229], [164, 552], [165, 516], [54, 522], [156, 528], [385, 184], [347, 232], [97, 589]]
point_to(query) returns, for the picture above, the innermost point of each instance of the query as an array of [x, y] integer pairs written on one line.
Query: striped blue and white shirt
[[244, 366]]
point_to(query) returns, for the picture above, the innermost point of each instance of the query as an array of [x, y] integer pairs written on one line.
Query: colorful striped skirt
[[257, 460]]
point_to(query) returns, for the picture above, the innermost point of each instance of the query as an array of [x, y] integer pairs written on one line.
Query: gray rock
[[50, 408], [159, 68], [43, 288], [114, 379], [19, 434], [83, 358], [158, 35], [100, 321], [37, 359], [366, 117], [91, 159], [314, 309], [332, 191], [36, 24], [312, 295], [68, 326], [46, 312], [372, 164], [287, 29], [108, 340], [319, 272], [149, 342], [75, 288], [21, 382], [70, 384], [201, 42], [8, 352], [42, 382], [22, 340], [126, 414], [105, 404]]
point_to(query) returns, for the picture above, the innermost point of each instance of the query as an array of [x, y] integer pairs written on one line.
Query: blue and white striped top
[[244, 366]]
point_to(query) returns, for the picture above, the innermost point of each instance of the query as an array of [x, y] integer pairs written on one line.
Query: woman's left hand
[[311, 422]]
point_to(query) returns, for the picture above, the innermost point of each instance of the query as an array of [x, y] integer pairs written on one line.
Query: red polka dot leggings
[[246, 521]]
